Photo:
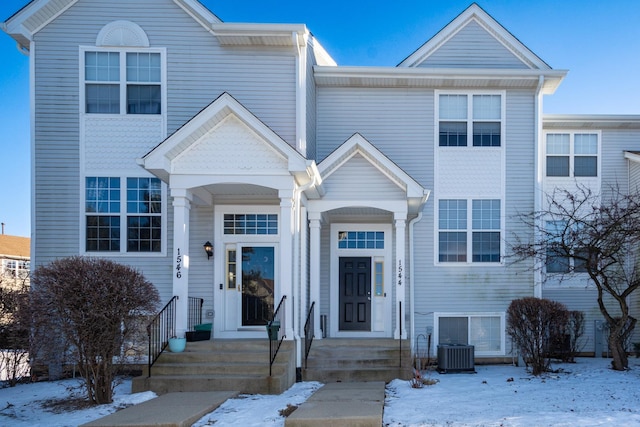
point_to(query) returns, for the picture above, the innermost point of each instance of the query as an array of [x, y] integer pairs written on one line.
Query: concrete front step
[[241, 365], [332, 360]]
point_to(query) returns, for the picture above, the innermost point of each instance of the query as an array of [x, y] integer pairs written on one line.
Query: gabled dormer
[[474, 40]]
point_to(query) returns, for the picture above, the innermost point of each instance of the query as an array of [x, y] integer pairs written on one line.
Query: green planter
[[272, 330]]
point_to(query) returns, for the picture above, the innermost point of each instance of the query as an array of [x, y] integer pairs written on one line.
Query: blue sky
[[597, 41]]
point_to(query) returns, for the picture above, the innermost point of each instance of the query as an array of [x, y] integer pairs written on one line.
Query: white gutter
[[538, 188], [412, 292]]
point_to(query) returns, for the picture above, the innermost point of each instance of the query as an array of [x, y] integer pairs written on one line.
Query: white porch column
[[181, 209], [286, 260], [400, 273], [314, 269]]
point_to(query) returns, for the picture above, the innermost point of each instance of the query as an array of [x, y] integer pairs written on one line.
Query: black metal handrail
[[160, 329], [309, 332], [195, 312], [400, 334], [274, 328]]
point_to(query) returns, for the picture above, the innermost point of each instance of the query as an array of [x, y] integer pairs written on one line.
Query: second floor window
[[572, 154], [123, 82], [461, 115]]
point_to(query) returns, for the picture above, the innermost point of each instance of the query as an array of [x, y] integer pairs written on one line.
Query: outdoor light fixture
[[208, 248]]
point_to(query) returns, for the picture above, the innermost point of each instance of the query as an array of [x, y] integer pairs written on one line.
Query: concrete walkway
[[168, 410], [353, 404]]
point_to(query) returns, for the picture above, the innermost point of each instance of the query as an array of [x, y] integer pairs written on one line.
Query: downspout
[[412, 292], [297, 288], [538, 157]]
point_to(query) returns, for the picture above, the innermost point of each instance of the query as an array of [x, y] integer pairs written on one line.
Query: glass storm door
[[258, 281]]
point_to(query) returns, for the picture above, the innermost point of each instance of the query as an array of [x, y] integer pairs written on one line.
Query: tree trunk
[[620, 361]]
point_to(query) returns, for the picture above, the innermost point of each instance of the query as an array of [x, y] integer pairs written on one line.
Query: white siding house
[[387, 196]]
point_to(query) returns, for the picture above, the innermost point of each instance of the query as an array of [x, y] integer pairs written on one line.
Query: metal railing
[[195, 312], [309, 332], [274, 328], [400, 334], [160, 329]]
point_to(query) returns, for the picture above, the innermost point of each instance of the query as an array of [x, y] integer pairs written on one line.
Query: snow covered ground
[[586, 393]]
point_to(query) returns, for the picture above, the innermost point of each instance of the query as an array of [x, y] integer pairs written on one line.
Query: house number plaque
[[178, 264]]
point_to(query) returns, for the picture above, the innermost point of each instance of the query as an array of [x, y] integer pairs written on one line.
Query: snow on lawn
[[587, 393]]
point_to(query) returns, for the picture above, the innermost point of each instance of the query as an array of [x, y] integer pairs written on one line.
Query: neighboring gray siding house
[[387, 196]]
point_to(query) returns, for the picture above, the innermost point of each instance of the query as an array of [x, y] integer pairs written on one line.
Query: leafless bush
[[14, 332], [91, 309], [533, 324]]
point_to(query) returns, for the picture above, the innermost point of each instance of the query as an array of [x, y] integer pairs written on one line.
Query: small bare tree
[[580, 232], [91, 308], [14, 329]]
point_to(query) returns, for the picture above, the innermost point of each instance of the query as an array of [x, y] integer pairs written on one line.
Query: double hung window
[[458, 231], [123, 82], [117, 218], [572, 154], [461, 115]]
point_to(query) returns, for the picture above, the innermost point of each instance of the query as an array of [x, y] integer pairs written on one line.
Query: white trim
[[222, 242], [32, 135], [468, 315], [387, 256]]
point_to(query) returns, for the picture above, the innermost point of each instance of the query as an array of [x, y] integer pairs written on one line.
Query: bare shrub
[[91, 309], [14, 333], [533, 323]]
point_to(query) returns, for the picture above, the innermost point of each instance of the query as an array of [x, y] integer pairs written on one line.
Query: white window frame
[[468, 316], [572, 155], [123, 214], [469, 232], [122, 82], [470, 119]]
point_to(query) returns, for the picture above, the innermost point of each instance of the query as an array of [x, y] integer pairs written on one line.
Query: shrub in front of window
[[534, 325], [92, 309]]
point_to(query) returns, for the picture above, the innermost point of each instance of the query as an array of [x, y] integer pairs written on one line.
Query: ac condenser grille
[[456, 358]]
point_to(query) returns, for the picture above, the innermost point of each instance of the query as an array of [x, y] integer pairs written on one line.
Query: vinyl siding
[[473, 47], [198, 71], [634, 177], [614, 165], [311, 105]]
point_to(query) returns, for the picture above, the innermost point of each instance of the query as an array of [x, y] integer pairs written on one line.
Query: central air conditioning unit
[[456, 358]]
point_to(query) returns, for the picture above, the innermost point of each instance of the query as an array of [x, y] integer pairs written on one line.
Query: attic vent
[[456, 358], [122, 33]]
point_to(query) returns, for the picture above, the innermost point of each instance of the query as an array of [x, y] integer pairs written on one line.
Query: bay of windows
[[461, 115], [117, 82], [109, 227], [458, 231]]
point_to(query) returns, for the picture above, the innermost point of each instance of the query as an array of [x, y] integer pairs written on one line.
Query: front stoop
[[241, 365], [346, 359]]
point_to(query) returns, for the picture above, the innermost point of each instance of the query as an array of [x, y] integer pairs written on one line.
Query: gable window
[[572, 154], [110, 227], [123, 82], [461, 115], [454, 238]]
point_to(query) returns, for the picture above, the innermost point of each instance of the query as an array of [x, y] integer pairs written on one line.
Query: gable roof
[[160, 159], [359, 145], [475, 15], [14, 246]]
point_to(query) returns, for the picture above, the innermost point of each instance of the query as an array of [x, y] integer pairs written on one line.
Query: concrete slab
[[168, 410], [353, 404]]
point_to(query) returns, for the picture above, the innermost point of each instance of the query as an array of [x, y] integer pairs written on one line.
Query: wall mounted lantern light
[[208, 248]]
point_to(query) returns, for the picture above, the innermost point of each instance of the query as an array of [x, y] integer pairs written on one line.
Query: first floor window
[[15, 268], [484, 332], [479, 232], [110, 228]]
